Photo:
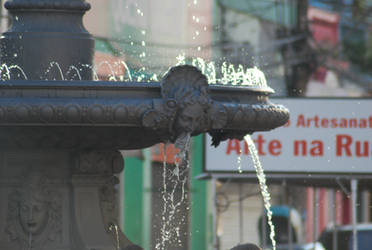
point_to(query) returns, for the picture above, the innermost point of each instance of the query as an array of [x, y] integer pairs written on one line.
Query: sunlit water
[[263, 187], [226, 74], [115, 230], [173, 180], [239, 162]]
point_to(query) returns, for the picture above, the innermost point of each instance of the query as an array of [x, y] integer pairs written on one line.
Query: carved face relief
[[189, 118], [33, 215], [186, 88]]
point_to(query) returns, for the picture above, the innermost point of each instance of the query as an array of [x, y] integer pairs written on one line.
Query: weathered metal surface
[[129, 115]]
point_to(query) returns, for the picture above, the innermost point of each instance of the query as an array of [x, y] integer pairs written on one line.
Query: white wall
[[228, 228], [96, 19]]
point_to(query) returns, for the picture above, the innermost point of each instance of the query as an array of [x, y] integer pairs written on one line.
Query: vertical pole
[[334, 219], [214, 213], [309, 214], [365, 204], [241, 229], [354, 189], [264, 226], [290, 238], [316, 214]]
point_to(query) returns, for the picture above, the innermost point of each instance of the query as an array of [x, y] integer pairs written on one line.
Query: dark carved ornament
[[108, 197], [34, 219], [102, 163], [185, 106], [111, 115]]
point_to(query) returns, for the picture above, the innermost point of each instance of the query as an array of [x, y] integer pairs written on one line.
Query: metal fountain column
[[53, 198], [47, 31]]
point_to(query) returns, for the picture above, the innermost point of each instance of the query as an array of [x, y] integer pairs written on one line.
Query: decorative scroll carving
[[256, 117], [219, 116], [108, 202], [69, 113], [99, 163], [34, 219]]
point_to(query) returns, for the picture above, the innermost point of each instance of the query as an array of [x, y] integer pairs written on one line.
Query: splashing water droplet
[[181, 59], [115, 229], [73, 69], [239, 162], [55, 65]]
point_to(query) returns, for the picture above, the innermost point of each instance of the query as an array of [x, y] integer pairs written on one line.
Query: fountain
[[60, 140]]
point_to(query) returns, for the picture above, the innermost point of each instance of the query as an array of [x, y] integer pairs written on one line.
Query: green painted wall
[[199, 239], [133, 200], [147, 195]]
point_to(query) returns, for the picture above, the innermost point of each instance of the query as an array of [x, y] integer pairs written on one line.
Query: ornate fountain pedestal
[[59, 140]]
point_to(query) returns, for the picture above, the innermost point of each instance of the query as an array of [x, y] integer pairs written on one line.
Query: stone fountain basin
[[115, 115]]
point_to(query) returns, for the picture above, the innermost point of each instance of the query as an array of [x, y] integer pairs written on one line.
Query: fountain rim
[[80, 6], [107, 85]]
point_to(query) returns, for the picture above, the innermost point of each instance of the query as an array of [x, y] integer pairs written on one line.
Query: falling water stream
[[263, 187], [178, 180]]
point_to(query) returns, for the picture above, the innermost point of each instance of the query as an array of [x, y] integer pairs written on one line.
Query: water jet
[[60, 138]]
